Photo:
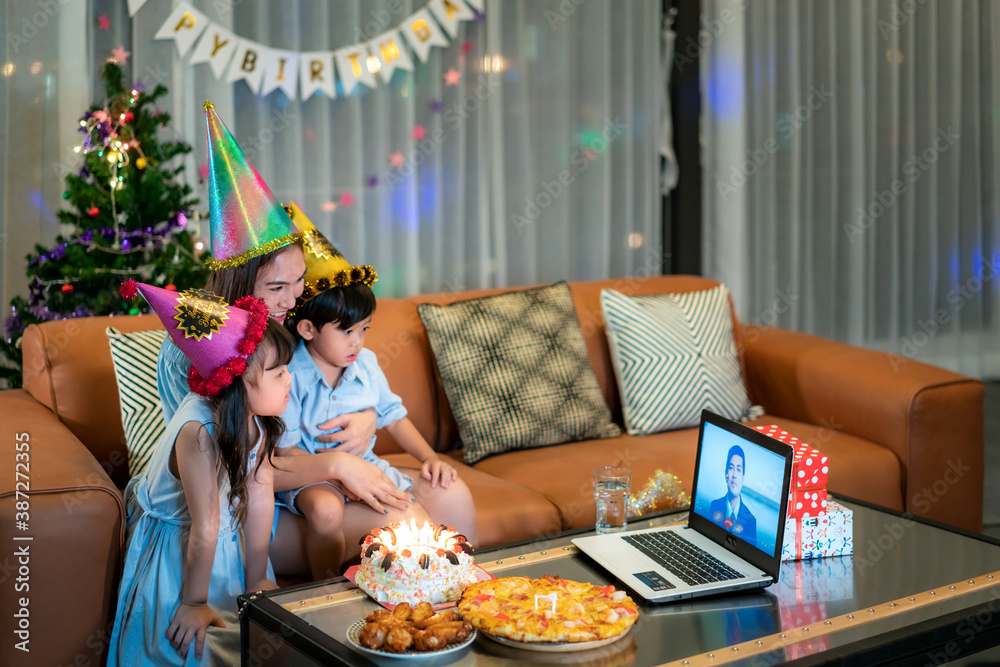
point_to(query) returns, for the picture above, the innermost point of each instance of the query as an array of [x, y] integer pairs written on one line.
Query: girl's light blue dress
[[172, 368], [157, 532]]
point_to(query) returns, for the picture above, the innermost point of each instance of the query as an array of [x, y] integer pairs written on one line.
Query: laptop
[[725, 546]]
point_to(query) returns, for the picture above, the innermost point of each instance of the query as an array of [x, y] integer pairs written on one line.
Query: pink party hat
[[247, 221], [215, 336]]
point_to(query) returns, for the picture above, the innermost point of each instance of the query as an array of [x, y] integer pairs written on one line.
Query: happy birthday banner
[[232, 57]]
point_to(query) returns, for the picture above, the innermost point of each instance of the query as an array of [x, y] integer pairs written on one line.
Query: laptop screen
[[740, 487]]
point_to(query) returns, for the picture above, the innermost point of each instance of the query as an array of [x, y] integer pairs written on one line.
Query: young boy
[[332, 375]]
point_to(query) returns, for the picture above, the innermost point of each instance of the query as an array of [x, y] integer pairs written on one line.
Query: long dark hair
[[231, 409], [238, 281], [344, 306]]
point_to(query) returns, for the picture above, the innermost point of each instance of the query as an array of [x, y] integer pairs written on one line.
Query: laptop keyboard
[[692, 565]]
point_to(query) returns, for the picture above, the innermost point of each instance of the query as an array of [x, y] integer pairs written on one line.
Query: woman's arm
[[295, 468], [434, 468], [257, 526], [360, 479], [197, 466]]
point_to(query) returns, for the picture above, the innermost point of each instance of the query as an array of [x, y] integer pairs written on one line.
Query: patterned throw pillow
[[134, 357], [673, 355], [516, 371]]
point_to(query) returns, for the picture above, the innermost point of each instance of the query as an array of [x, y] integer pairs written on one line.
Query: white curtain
[[540, 165], [851, 171]]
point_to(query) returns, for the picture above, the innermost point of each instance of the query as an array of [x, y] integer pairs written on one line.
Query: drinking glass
[[611, 490]]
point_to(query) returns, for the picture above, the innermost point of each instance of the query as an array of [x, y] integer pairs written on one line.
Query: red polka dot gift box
[[810, 473]]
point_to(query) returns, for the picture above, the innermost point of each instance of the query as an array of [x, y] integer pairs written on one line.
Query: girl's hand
[[192, 622], [356, 434], [437, 470], [366, 482]]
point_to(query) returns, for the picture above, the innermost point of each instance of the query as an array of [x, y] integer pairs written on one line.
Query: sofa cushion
[[134, 357], [516, 372], [674, 355]]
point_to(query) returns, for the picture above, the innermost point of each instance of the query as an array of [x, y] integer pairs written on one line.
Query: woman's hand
[[366, 482], [192, 621], [356, 434], [437, 470]]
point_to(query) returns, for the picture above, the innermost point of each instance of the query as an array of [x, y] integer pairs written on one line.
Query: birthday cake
[[404, 563]]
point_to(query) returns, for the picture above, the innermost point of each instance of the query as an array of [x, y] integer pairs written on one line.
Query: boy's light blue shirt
[[313, 401]]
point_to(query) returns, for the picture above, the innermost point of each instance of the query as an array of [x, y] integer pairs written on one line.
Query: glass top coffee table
[[913, 593]]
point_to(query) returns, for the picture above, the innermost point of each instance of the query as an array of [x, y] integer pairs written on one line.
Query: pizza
[[549, 609]]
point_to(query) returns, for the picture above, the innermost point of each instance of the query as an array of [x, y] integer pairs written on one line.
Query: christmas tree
[[128, 210]]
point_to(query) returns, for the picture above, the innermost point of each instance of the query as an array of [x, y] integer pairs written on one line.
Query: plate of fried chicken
[[411, 632]]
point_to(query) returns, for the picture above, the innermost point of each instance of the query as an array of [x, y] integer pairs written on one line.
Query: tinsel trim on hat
[[356, 275], [246, 255], [224, 375]]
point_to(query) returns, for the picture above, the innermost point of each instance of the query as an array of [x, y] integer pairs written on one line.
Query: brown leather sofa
[[898, 433]]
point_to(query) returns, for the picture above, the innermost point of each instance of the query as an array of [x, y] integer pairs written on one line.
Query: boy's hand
[[366, 482], [437, 470], [357, 429], [192, 622]]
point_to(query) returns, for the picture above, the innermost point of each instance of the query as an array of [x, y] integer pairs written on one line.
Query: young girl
[[333, 373], [208, 481]]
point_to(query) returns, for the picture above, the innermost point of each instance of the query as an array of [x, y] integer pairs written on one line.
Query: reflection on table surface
[[894, 557]]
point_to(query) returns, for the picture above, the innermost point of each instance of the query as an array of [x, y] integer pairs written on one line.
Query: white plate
[[556, 647], [355, 630]]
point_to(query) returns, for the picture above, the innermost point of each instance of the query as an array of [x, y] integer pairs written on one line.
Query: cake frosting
[[403, 563]]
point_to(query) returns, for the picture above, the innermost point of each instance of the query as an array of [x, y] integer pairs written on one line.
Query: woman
[[256, 251]]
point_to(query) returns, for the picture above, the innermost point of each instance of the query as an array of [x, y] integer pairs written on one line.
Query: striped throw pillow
[[674, 355], [134, 357]]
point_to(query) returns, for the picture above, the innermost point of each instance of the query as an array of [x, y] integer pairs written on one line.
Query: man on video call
[[730, 511]]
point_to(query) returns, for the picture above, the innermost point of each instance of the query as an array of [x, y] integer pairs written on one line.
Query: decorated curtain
[[522, 150], [851, 182]]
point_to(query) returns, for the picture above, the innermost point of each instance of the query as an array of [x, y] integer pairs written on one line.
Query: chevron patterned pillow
[[516, 372], [134, 357], [673, 355]]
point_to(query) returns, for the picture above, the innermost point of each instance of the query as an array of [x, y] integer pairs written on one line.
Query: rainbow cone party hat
[[247, 221], [325, 266], [215, 336]]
